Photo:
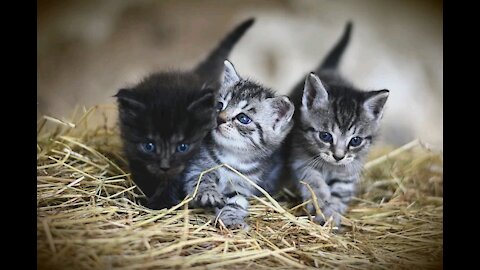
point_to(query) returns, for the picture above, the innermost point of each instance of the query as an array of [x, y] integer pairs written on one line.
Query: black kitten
[[164, 118]]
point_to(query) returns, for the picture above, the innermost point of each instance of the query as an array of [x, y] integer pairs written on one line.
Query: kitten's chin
[[227, 142], [154, 169]]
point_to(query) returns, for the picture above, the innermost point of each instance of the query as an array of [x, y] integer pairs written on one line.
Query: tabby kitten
[[334, 128], [252, 125], [164, 118]]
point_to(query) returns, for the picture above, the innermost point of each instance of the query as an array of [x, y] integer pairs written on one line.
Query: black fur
[[168, 109]]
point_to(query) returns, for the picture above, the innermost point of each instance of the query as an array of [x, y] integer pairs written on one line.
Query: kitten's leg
[[234, 212], [341, 192], [207, 195], [166, 195], [322, 190]]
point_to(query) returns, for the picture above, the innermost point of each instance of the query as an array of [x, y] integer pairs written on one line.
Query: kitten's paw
[[328, 211], [210, 198], [234, 222]]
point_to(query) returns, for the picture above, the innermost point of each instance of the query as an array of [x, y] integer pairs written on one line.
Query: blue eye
[[244, 119], [219, 106], [148, 147], [182, 147], [326, 137], [355, 141]]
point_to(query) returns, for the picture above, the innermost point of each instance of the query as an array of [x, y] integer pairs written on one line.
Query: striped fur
[[249, 148], [331, 164]]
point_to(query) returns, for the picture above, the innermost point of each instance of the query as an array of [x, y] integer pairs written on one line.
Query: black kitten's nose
[[338, 158], [164, 169]]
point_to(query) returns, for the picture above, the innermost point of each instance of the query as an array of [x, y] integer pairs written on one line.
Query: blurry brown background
[[89, 49]]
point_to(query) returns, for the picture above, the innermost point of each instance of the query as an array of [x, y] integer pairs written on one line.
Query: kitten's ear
[[283, 110], [375, 102], [127, 99], [314, 93], [206, 101], [230, 75]]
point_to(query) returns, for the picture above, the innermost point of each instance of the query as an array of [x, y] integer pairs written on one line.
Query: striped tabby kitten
[[252, 124], [334, 128]]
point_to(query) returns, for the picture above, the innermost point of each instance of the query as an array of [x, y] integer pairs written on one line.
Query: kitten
[[252, 125], [335, 125], [164, 118]]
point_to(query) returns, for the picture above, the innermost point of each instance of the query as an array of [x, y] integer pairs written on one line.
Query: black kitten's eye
[[355, 141], [219, 106], [148, 147], [243, 118], [183, 147], [326, 137]]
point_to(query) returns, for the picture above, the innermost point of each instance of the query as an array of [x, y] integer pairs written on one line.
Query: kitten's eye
[[148, 147], [326, 137], [243, 118], [219, 106], [182, 147], [355, 141]]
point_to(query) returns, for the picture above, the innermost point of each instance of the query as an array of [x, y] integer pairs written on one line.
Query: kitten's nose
[[222, 118], [164, 165], [338, 158]]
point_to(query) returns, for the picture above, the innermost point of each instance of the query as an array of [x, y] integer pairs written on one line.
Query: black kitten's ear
[[206, 101], [375, 102], [314, 93], [127, 98], [282, 111]]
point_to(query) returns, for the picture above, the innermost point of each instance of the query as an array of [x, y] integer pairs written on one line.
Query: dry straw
[[88, 218]]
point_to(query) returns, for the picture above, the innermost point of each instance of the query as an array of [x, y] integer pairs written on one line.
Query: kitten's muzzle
[[221, 118], [338, 158]]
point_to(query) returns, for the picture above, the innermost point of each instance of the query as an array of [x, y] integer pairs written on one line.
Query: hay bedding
[[87, 217]]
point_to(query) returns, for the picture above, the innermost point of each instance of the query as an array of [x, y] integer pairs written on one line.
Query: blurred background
[[88, 49]]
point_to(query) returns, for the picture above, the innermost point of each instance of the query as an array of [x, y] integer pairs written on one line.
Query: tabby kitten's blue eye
[[326, 137], [219, 106], [244, 119], [148, 147], [182, 147], [355, 141]]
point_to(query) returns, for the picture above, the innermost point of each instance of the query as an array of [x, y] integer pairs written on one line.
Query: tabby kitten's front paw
[[210, 198], [328, 210], [234, 222]]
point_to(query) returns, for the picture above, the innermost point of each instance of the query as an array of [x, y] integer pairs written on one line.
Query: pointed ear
[[127, 99], [314, 93], [375, 102], [206, 101], [283, 110], [230, 75]]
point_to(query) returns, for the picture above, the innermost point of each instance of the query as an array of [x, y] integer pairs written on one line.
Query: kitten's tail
[[334, 56], [213, 65]]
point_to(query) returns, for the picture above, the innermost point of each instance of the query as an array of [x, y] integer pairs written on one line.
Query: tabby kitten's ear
[[314, 93], [230, 76], [283, 110], [129, 101], [375, 102]]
